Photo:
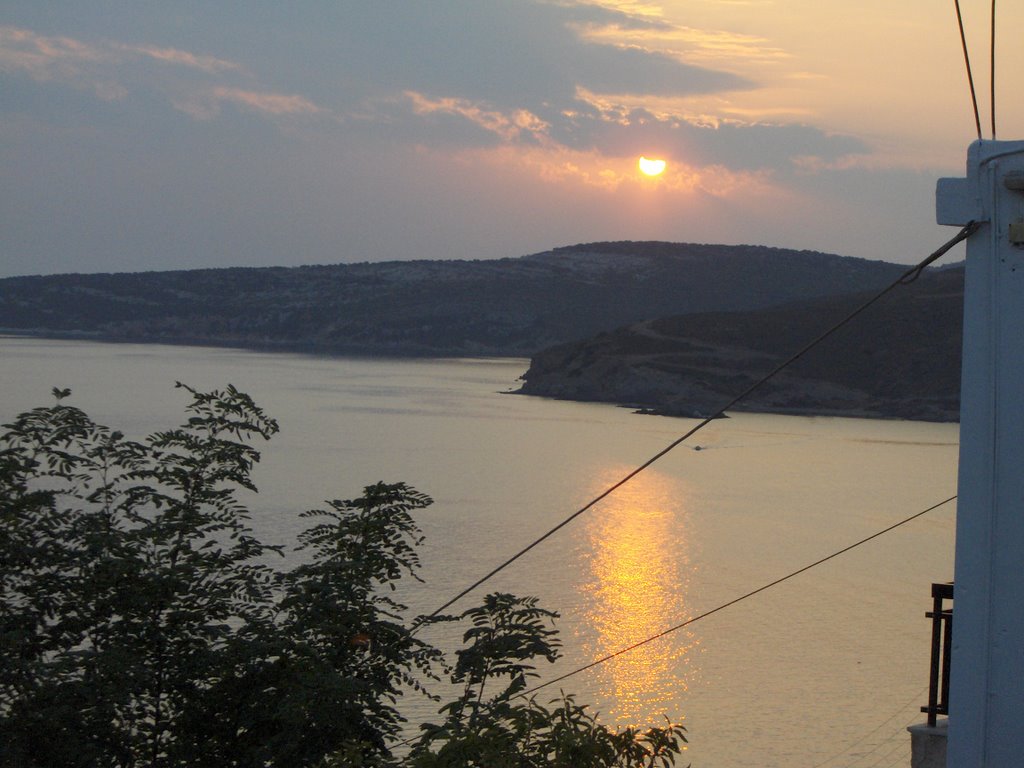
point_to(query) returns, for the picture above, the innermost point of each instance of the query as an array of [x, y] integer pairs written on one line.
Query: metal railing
[[942, 633]]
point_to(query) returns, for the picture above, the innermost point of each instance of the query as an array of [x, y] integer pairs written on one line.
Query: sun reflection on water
[[638, 564]]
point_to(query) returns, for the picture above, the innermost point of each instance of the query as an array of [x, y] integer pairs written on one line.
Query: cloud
[[780, 146], [210, 64], [633, 69], [632, 9], [615, 78], [206, 104], [558, 165], [730, 144], [687, 44], [379, 130], [60, 59], [270, 103], [510, 127], [529, 60], [604, 126], [63, 58], [105, 67], [45, 58], [515, 54]]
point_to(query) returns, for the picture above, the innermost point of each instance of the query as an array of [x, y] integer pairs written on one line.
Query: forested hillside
[[514, 306]]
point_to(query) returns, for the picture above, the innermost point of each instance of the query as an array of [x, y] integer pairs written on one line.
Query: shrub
[[140, 624]]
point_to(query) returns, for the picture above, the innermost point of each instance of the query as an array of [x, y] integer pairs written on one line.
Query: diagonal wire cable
[[846, 750], [897, 748], [911, 274], [992, 70], [967, 62], [722, 607], [736, 600]]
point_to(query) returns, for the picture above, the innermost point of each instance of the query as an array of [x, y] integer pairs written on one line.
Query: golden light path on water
[[638, 567]]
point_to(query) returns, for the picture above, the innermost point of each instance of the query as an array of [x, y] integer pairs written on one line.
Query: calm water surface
[[824, 670]]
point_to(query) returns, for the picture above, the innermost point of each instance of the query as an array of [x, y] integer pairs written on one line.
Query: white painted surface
[[987, 683]]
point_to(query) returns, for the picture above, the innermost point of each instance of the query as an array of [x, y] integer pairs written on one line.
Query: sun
[[651, 167]]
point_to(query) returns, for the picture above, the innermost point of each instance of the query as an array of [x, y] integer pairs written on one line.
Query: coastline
[[645, 392]]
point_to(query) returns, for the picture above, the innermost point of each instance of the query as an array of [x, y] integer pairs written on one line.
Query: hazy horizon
[[944, 264]]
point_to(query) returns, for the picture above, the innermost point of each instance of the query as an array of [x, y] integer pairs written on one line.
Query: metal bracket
[[1014, 180]]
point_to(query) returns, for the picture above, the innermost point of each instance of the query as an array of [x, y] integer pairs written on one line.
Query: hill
[[900, 359], [514, 306]]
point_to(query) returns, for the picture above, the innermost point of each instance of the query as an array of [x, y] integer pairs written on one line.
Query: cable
[[967, 61], [721, 607], [992, 71], [732, 602], [909, 276], [900, 746], [917, 697]]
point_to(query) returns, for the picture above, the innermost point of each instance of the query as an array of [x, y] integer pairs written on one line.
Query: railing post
[[942, 634], [928, 741]]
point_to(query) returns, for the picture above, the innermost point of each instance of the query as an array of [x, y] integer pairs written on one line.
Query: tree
[[141, 625]]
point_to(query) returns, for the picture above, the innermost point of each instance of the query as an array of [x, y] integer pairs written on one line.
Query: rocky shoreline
[[901, 360]]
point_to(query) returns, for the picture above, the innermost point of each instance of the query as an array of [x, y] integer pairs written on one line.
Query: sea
[[822, 670]]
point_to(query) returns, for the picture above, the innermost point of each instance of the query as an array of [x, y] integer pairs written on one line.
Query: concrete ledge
[[928, 745]]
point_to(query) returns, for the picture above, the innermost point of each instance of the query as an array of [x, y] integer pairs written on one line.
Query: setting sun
[[651, 167]]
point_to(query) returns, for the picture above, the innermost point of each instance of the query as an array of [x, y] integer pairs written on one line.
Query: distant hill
[[900, 359], [514, 306]]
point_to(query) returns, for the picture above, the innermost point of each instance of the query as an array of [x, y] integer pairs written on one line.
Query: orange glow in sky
[[786, 129]]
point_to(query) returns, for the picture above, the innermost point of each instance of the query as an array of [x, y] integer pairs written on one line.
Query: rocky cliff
[[900, 359]]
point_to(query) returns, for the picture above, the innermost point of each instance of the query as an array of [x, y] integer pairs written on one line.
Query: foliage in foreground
[[141, 626]]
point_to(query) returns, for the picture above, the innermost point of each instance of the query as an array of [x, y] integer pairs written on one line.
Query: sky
[[141, 135]]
